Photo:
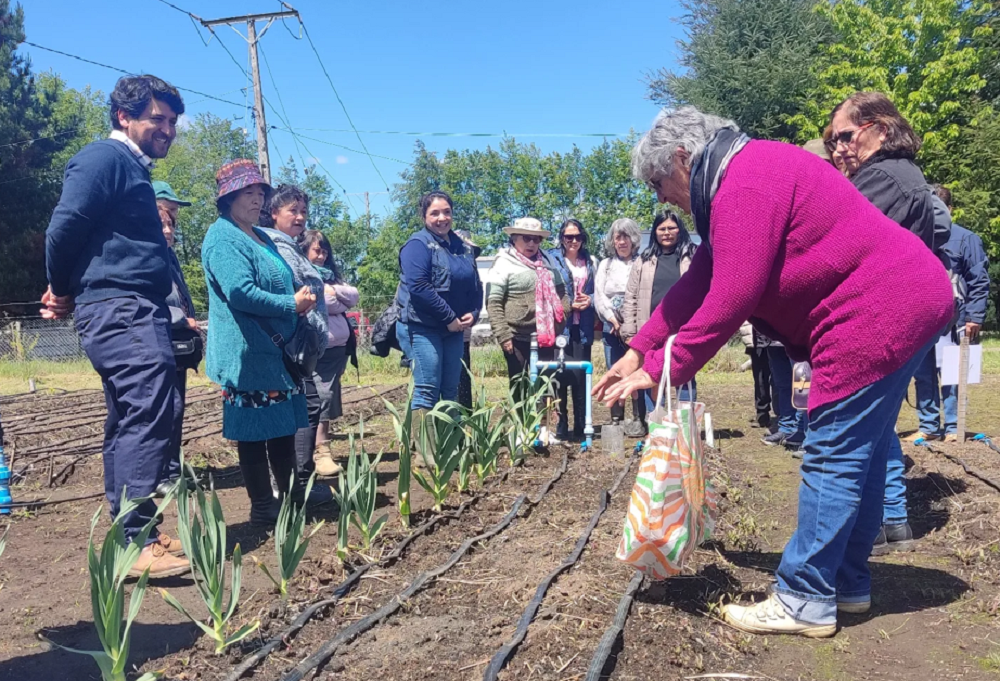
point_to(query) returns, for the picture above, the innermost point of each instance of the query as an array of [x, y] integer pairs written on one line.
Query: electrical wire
[[127, 73], [340, 146], [46, 137], [281, 102], [474, 134], [305, 30]]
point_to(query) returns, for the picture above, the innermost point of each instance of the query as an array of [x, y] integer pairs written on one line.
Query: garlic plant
[[485, 439], [290, 537], [109, 567], [440, 446], [526, 415], [403, 426], [357, 492], [204, 539]]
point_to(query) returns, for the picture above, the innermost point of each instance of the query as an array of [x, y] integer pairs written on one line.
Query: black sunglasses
[[572, 237], [846, 137], [531, 239]]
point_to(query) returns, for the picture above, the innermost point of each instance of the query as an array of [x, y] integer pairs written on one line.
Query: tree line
[[777, 67]]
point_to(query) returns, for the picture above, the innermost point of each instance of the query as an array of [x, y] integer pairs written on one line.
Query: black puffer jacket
[[897, 187]]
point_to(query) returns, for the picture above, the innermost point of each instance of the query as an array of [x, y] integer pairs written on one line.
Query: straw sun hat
[[527, 227]]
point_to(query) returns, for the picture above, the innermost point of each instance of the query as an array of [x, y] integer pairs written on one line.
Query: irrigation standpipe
[[561, 365]]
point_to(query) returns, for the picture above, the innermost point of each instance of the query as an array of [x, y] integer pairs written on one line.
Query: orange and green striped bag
[[673, 507]]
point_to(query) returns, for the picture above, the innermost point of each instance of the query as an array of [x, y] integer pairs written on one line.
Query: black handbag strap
[[276, 337]]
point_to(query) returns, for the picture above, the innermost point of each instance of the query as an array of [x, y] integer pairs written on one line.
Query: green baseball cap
[[164, 191]]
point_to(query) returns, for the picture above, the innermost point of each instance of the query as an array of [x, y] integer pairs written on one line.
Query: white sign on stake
[[950, 358]]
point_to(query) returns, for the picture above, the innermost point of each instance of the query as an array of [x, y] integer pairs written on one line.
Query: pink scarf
[[548, 306]]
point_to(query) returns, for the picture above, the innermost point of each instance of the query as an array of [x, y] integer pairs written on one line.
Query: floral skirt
[[256, 415]]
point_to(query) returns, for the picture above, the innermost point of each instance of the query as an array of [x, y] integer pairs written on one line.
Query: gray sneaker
[[635, 428], [896, 537], [774, 439]]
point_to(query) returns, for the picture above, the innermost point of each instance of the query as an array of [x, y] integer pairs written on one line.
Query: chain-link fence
[[27, 339]]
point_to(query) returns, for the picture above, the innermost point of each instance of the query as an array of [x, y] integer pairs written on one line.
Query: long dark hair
[[684, 247], [314, 236], [573, 222]]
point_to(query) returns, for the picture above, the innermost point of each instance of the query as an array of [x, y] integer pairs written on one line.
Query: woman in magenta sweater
[[788, 243]]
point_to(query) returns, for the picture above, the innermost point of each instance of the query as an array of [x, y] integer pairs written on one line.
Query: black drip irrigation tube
[[329, 649], [345, 587], [503, 655], [600, 659], [969, 470]]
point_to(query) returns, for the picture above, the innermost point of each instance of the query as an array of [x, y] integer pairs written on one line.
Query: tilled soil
[[935, 611]]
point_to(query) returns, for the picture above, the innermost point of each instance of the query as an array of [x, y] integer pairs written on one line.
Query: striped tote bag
[[673, 507]]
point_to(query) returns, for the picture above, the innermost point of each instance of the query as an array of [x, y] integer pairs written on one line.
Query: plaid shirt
[[120, 136]]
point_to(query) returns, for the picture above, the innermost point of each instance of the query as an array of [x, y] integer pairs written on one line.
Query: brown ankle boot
[[160, 563], [171, 545]]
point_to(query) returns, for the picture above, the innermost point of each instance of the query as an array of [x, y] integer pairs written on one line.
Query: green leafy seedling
[[440, 445], [402, 423], [108, 568], [204, 539], [291, 540]]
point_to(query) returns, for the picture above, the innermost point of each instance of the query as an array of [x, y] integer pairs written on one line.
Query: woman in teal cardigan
[[251, 297]]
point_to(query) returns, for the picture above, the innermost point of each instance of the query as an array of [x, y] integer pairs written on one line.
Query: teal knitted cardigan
[[245, 286]]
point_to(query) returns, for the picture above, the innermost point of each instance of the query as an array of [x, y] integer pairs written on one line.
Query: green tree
[[921, 53], [748, 60], [42, 123]]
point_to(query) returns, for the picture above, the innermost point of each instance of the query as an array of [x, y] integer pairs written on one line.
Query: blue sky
[[545, 67]]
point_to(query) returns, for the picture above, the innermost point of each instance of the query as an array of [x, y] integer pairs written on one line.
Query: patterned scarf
[[548, 306]]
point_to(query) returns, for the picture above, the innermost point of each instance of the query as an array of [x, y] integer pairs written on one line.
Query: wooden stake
[[963, 385]]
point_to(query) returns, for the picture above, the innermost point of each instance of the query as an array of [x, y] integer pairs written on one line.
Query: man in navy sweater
[[105, 255]]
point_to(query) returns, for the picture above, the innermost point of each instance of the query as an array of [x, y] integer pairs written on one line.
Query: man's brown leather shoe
[[160, 563], [171, 545]]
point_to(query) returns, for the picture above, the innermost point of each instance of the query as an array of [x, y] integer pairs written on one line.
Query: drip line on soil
[[348, 584], [969, 470], [328, 649], [596, 669], [503, 655]]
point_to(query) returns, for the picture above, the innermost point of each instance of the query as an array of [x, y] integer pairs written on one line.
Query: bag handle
[[665, 378]]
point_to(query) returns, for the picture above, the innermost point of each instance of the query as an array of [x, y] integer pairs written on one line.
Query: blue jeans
[[128, 342], [791, 421], [929, 401], [614, 348], [681, 392], [848, 445], [437, 363]]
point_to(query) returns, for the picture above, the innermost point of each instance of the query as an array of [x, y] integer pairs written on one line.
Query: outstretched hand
[[638, 380], [621, 370]]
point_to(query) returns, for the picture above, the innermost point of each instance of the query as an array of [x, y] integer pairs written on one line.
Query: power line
[[474, 134], [127, 73], [46, 137], [333, 87], [340, 146]]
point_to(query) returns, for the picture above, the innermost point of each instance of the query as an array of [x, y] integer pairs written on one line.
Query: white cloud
[[341, 160], [183, 122]]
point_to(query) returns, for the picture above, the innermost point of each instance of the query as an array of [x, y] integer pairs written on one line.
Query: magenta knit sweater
[[801, 253]]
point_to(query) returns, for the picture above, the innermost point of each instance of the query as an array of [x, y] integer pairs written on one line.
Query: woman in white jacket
[[340, 298], [622, 244]]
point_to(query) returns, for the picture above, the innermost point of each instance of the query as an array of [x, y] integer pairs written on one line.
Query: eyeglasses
[[572, 237], [846, 137], [531, 239]]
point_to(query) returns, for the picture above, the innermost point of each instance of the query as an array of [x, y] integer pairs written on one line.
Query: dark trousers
[[760, 365], [173, 467], [258, 460], [128, 343], [305, 438], [574, 382], [465, 380], [614, 350]]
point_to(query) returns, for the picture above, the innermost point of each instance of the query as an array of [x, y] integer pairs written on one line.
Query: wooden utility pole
[[252, 38], [368, 205]]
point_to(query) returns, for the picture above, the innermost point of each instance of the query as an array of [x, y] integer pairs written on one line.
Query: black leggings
[[279, 452]]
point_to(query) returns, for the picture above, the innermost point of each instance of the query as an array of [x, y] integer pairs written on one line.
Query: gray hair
[[684, 128], [629, 228]]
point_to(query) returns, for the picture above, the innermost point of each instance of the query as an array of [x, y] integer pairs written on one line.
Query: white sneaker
[[769, 617]]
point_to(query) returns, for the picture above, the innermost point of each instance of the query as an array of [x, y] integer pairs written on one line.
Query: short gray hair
[[684, 128], [629, 228]]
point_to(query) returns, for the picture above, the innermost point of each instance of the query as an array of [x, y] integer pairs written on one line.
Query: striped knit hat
[[238, 174]]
